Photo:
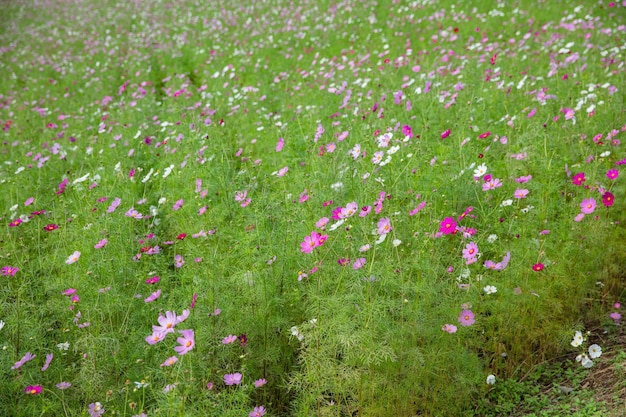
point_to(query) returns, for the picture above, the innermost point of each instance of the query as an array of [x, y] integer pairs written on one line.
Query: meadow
[[311, 208]]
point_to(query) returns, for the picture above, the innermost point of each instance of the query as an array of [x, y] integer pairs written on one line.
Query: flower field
[[313, 208]]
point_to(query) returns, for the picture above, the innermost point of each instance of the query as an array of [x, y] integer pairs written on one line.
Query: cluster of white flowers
[[295, 332], [595, 351]]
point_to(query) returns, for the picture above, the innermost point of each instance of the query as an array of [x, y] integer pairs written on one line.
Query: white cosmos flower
[[586, 362], [491, 379], [578, 339], [595, 351], [492, 238], [480, 170], [490, 289]]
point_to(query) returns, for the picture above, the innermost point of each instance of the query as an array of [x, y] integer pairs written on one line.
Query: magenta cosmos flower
[[9, 270], [466, 318], [447, 226], [186, 342], [608, 199], [588, 205], [579, 178], [33, 389], [612, 173]]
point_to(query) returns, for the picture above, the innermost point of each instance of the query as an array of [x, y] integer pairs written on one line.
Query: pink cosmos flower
[[449, 328], [95, 409], [49, 357], [257, 412], [365, 210], [466, 318], [282, 172], [538, 267], [280, 144], [166, 323], [322, 222], [579, 217], [27, 357], [233, 379], [183, 316], [170, 361], [241, 195], [186, 342], [521, 193], [134, 214], [524, 178], [73, 258], [470, 251], [447, 226], [178, 204], [588, 205], [100, 244], [492, 185], [260, 382], [359, 263], [383, 226], [348, 210], [231, 338], [312, 241], [445, 134], [178, 261], [417, 209], [152, 297]]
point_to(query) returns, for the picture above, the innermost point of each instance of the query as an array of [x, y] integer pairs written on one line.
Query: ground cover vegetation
[[352, 208]]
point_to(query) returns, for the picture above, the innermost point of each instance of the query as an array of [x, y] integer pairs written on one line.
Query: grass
[[359, 209]]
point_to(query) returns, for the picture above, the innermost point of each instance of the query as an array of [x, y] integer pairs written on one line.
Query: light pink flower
[[186, 342]]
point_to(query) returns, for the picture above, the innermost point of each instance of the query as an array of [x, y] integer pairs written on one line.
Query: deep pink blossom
[[447, 226]]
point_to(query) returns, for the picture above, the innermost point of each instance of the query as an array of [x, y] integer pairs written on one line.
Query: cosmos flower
[[233, 379], [186, 342], [466, 318]]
